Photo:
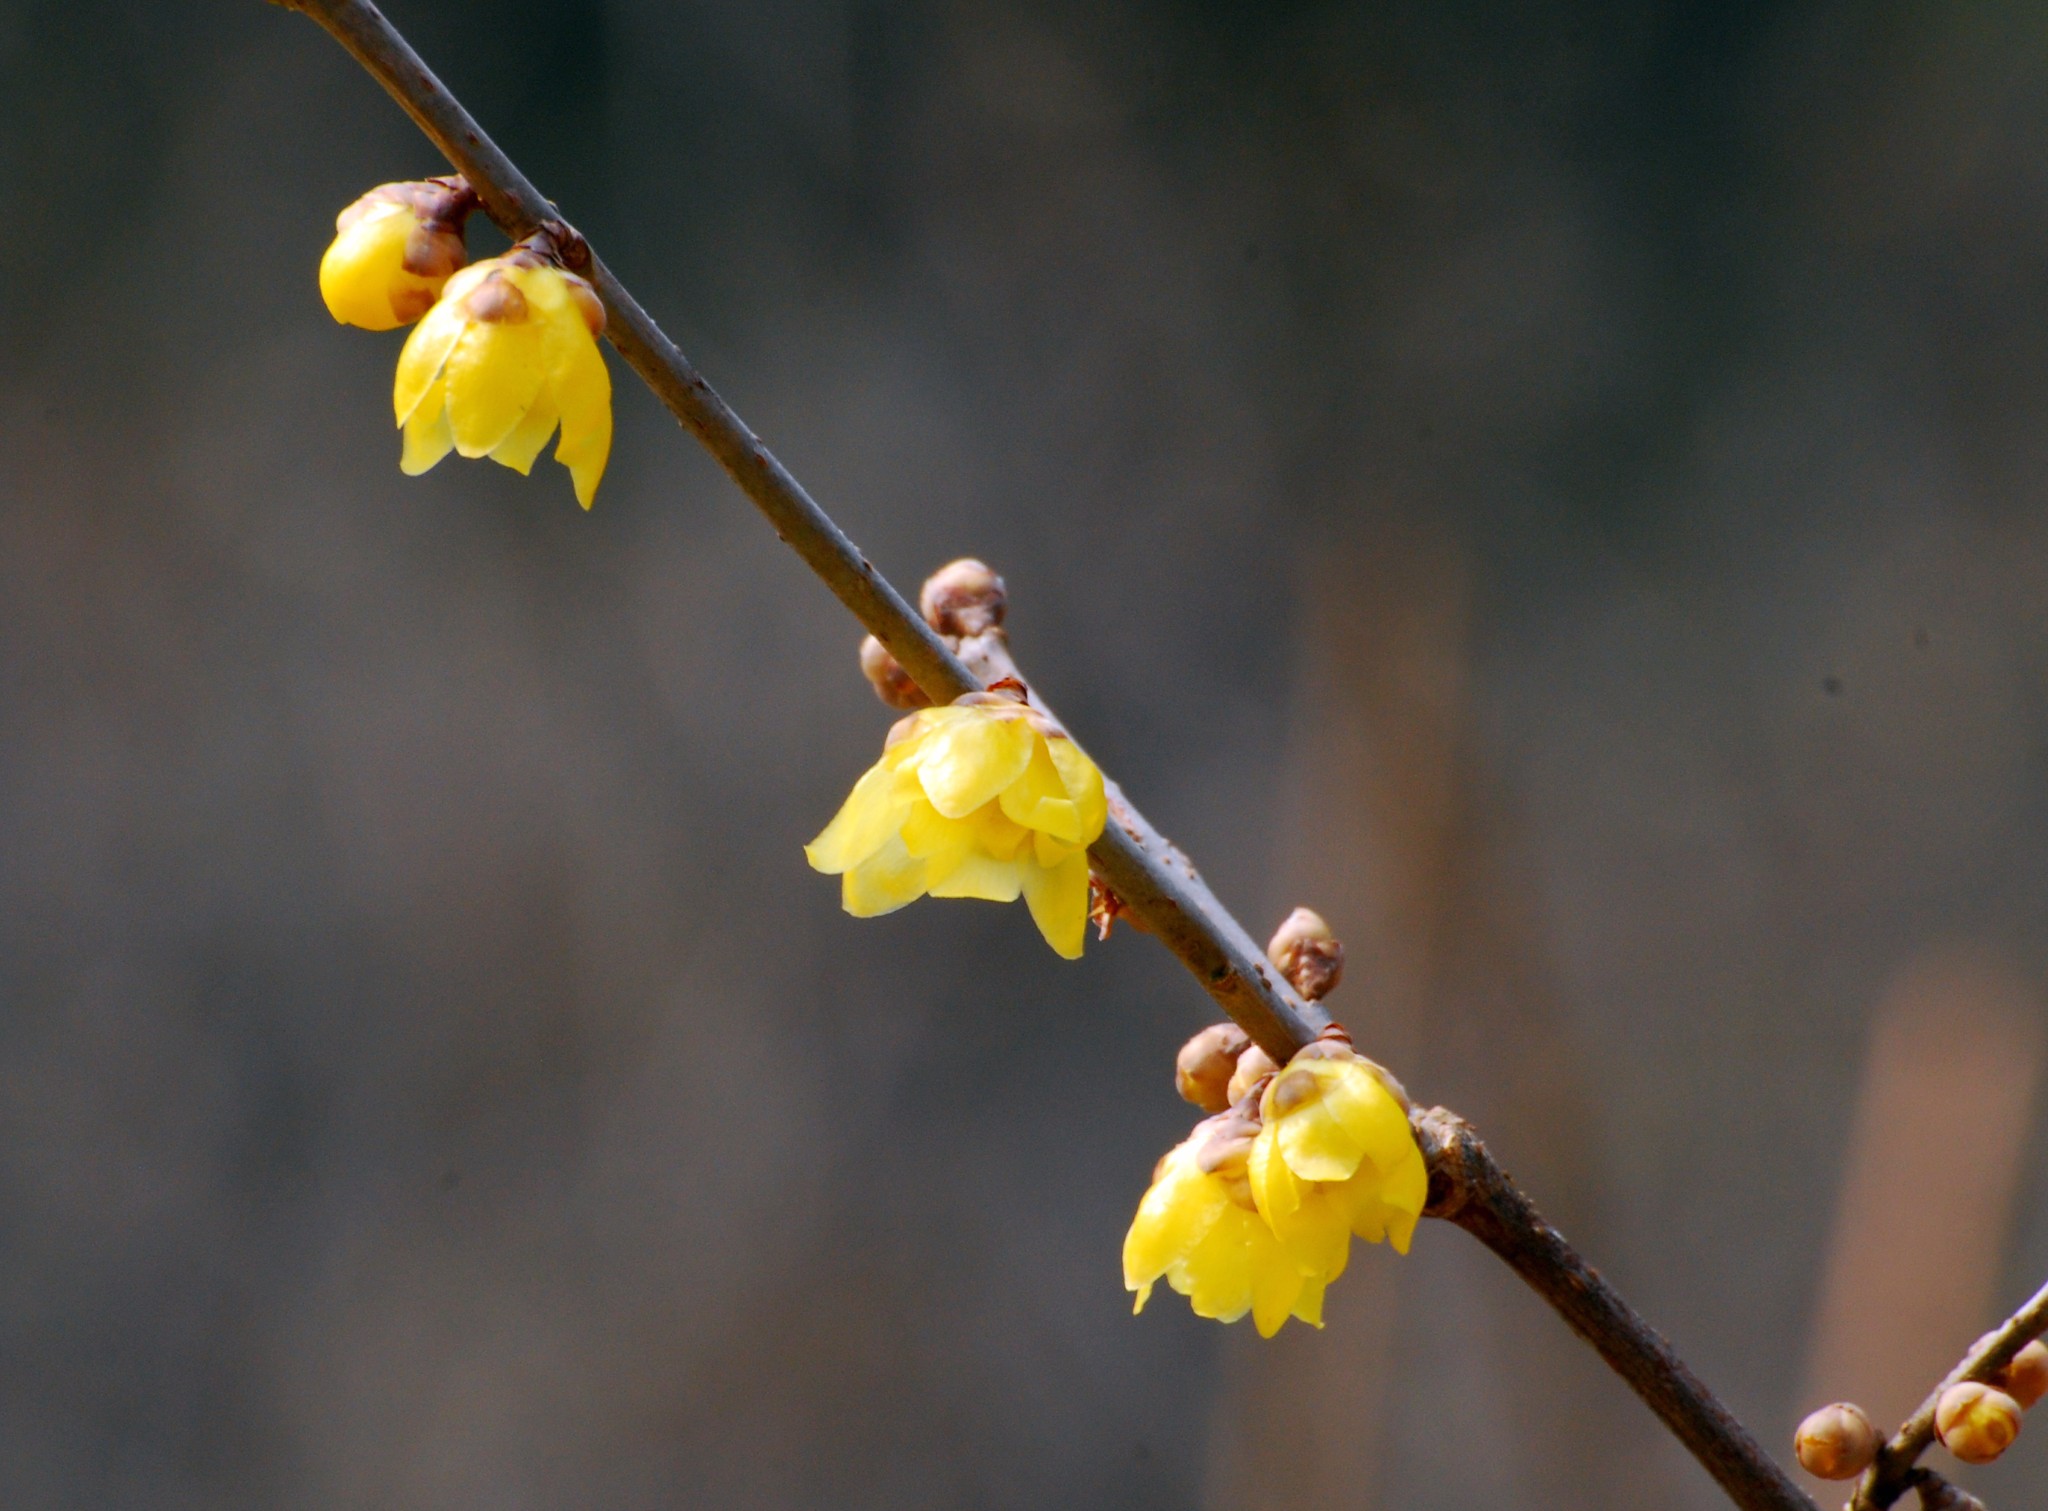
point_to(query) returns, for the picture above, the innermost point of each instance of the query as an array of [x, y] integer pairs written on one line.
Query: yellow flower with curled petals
[[1335, 1157], [982, 798], [508, 354], [1198, 1230], [393, 251]]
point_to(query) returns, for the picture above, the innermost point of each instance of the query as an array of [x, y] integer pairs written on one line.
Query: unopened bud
[[1837, 1442], [1307, 954], [1205, 1064], [394, 249], [964, 597], [1253, 1066], [2025, 1379], [887, 677], [1976, 1422]]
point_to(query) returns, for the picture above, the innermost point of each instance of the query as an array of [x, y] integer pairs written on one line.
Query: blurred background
[[1558, 488]]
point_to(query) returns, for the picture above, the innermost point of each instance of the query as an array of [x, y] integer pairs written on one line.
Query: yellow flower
[[1198, 1230], [508, 353], [1335, 1157], [393, 251], [983, 798]]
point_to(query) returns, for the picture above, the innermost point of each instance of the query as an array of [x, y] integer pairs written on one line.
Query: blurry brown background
[[1559, 488]]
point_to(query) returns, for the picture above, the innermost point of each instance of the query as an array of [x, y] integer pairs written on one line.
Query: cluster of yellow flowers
[[505, 350], [987, 797], [1256, 1209]]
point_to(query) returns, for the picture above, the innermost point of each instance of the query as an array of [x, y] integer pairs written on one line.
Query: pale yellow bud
[[2025, 1379], [1203, 1069], [1837, 1442], [887, 677], [1307, 954], [1976, 1422], [1253, 1066], [964, 597]]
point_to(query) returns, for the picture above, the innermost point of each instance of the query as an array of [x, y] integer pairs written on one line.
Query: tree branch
[[1157, 885], [1892, 1475]]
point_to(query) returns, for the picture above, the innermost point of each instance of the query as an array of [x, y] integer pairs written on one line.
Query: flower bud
[[964, 597], [1837, 1442], [1307, 954], [1253, 1066], [2025, 1379], [1976, 1422], [887, 677], [393, 251], [1203, 1069]]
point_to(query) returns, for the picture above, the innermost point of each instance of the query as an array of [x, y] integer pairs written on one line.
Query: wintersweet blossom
[[394, 250], [509, 353], [1335, 1157], [986, 798]]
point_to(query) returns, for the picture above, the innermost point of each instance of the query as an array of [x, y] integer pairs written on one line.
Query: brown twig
[[1155, 883], [1892, 1475]]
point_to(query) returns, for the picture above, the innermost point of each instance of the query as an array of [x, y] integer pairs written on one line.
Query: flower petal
[[493, 374], [425, 353], [872, 815], [518, 449], [1058, 899], [427, 436], [968, 762], [889, 879]]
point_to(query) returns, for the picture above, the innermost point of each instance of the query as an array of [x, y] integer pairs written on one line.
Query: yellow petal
[[427, 436], [1331, 1114], [1276, 1286], [1175, 1214], [425, 353], [1038, 799], [1058, 899], [972, 874], [583, 387], [493, 376], [968, 762], [887, 880], [1309, 1305], [518, 449], [1144, 1295], [1083, 781], [871, 816]]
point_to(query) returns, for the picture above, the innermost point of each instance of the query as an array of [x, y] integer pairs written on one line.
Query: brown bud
[[1837, 1442], [964, 597], [496, 301], [2025, 1379], [887, 677], [1307, 954], [1203, 1068], [1253, 1066], [1976, 1422]]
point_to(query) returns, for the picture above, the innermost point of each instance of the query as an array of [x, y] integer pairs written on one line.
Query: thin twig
[[1156, 884], [1890, 1477]]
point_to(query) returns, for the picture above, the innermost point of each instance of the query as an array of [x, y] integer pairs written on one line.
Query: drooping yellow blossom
[[509, 353], [1335, 1157], [982, 798], [394, 250], [1197, 1229]]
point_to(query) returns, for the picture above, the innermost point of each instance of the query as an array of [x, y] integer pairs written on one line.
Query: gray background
[[1557, 486]]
